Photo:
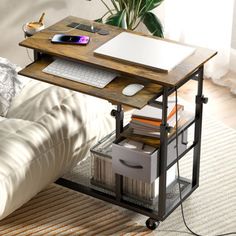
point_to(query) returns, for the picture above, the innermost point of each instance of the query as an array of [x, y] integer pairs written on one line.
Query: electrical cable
[[178, 180], [23, 29]]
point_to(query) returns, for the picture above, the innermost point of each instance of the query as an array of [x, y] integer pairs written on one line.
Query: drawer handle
[[130, 165]]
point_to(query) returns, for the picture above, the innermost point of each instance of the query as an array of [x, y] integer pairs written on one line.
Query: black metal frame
[[163, 210]]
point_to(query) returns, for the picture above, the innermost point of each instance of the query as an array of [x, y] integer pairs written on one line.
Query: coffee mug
[[31, 28]]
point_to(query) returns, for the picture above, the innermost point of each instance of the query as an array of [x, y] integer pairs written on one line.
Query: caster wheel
[[152, 224]]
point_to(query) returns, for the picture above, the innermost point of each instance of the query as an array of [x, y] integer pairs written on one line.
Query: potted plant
[[130, 13]]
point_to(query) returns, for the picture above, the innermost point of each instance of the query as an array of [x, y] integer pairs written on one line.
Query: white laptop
[[148, 52]]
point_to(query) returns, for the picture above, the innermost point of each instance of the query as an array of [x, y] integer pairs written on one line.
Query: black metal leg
[[119, 120], [163, 155], [37, 55], [119, 115], [198, 129]]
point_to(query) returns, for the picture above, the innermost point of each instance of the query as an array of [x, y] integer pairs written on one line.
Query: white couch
[[47, 131]]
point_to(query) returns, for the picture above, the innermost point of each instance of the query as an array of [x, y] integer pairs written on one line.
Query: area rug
[[60, 211], [210, 210]]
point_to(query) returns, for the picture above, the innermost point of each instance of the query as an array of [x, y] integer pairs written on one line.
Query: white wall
[[14, 13], [233, 43]]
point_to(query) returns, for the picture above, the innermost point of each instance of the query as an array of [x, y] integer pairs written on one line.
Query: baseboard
[[233, 59]]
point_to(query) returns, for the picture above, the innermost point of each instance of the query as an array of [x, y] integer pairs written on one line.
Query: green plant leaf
[[115, 4], [153, 24], [142, 4], [108, 8], [117, 19], [148, 5], [121, 4], [151, 4]]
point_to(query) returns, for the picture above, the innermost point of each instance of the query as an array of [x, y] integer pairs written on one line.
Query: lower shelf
[[79, 180]]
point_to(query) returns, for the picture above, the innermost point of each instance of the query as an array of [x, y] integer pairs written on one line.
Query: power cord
[[27, 51], [178, 172]]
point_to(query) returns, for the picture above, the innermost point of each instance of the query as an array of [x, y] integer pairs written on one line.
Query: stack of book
[[147, 121]]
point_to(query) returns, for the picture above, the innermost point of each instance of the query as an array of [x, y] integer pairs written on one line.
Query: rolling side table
[[156, 84]]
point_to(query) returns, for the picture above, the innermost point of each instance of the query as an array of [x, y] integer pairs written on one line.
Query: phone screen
[[71, 39]]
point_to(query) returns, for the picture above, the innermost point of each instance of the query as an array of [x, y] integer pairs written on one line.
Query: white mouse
[[132, 89]]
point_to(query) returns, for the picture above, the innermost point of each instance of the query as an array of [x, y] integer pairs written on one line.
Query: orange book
[[151, 122]]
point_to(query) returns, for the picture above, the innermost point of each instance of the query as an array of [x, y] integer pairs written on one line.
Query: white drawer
[[140, 165], [134, 164]]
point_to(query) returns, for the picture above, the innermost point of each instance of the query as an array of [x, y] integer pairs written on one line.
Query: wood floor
[[221, 104]]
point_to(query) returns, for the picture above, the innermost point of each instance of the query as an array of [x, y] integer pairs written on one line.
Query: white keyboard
[[80, 73]]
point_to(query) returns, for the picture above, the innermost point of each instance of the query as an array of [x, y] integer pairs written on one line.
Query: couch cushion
[[10, 84], [48, 130]]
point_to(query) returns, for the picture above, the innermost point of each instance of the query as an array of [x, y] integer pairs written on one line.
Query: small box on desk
[[104, 176]]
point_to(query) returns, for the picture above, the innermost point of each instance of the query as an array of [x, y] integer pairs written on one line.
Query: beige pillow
[[9, 84]]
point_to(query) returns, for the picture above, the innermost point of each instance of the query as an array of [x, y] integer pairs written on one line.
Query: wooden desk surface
[[41, 42]]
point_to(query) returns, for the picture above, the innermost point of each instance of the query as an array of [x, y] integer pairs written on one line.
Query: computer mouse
[[132, 89]]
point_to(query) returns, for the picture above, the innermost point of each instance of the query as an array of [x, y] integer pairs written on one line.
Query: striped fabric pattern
[[60, 211]]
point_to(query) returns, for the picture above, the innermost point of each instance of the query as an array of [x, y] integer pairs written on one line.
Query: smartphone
[[70, 39]]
